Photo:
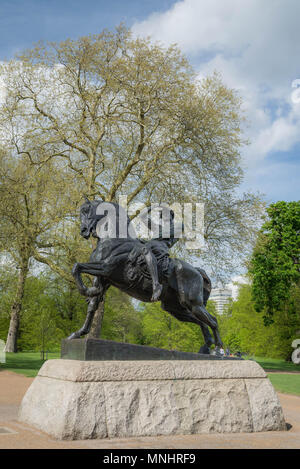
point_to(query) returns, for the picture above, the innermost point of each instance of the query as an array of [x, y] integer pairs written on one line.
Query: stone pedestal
[[73, 399]]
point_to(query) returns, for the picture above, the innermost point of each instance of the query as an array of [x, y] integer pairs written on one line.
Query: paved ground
[[13, 386]]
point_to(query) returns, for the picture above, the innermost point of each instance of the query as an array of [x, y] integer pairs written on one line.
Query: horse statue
[[141, 269]]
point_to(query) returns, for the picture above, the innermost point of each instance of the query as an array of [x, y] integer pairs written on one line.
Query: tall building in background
[[221, 298]]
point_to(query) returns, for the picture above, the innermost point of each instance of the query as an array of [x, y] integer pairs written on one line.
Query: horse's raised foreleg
[[88, 268], [92, 308]]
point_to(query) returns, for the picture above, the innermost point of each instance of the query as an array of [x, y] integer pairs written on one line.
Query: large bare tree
[[126, 116]]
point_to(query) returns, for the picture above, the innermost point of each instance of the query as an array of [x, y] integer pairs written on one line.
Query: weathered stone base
[[72, 399]]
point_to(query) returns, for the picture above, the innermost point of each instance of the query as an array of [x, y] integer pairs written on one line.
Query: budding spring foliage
[[121, 115]]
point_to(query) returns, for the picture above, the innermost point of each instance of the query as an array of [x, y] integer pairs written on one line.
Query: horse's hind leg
[[185, 316], [207, 339], [204, 316], [184, 301], [205, 331], [196, 305]]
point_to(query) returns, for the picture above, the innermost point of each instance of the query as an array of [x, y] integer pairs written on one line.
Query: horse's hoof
[[205, 350], [73, 336], [156, 293]]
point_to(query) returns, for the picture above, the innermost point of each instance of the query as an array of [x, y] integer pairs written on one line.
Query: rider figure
[[156, 251]]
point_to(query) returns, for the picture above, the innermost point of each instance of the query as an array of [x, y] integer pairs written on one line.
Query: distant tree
[[8, 281], [275, 264], [32, 204], [38, 327], [243, 328]]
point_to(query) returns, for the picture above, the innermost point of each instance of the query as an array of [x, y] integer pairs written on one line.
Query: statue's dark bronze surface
[[144, 271], [101, 350]]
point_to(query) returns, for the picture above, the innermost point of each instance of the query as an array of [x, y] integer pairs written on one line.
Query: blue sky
[[255, 44], [23, 22]]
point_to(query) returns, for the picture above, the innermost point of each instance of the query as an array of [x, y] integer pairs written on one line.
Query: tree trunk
[[12, 336], [97, 322]]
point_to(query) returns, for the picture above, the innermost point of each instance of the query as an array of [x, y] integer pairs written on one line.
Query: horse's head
[[87, 218], [104, 219]]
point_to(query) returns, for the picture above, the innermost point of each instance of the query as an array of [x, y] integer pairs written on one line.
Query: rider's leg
[[180, 282], [152, 266]]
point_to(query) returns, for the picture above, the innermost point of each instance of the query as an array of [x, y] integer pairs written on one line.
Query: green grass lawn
[[276, 364], [25, 363], [288, 384]]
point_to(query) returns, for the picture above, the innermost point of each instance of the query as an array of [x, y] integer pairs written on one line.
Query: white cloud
[[281, 135], [260, 34], [196, 25], [255, 44]]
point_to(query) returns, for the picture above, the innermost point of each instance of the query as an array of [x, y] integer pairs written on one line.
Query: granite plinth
[[102, 350], [74, 399]]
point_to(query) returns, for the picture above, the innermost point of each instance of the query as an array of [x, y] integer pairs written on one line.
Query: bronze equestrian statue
[[144, 271]]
